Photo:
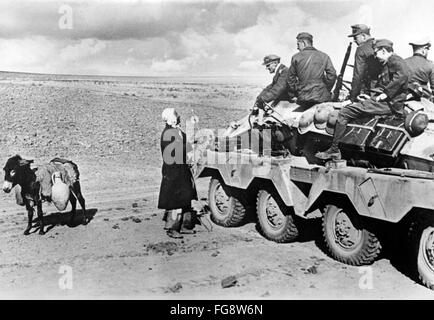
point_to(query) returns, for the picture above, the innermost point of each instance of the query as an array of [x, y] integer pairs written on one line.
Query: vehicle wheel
[[422, 241], [226, 211], [273, 223], [346, 239]]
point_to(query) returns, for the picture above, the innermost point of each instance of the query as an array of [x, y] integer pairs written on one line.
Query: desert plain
[[110, 127]]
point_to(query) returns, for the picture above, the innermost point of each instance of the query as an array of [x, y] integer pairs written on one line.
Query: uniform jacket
[[394, 81], [366, 69], [311, 76], [421, 70], [177, 185], [278, 89]]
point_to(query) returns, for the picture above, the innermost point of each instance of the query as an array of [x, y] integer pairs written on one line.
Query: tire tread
[[414, 235], [239, 212], [290, 233], [369, 252]]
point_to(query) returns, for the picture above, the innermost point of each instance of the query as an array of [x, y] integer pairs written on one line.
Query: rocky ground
[[111, 129]]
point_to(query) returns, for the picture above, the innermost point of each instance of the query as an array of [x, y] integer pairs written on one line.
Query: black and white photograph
[[217, 150]]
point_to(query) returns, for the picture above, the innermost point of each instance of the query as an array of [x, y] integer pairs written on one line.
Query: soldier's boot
[[333, 153]]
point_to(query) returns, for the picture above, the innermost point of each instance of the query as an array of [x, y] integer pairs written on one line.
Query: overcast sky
[[149, 38]]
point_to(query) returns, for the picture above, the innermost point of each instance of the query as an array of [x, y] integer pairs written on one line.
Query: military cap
[[382, 43], [270, 58], [421, 42], [305, 35], [358, 29]]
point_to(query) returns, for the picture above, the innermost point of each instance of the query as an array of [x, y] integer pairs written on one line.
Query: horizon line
[[135, 76]]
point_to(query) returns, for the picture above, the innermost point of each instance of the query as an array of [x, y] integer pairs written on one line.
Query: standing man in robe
[[178, 187]]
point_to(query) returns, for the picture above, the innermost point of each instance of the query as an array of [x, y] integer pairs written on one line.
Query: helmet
[[331, 122], [321, 115], [279, 135], [415, 123], [306, 121]]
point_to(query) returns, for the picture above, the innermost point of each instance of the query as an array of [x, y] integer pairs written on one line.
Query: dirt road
[[124, 253]]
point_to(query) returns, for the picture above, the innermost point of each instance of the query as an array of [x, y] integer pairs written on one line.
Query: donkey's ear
[[24, 162]]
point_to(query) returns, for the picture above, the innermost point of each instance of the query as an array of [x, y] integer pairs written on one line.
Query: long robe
[[177, 185]]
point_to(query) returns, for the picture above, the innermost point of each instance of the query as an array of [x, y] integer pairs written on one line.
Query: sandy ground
[[111, 130]]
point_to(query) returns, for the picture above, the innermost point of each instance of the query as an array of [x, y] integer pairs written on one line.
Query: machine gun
[[340, 81]]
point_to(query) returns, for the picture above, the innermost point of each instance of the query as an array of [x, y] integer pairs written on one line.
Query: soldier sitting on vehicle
[[277, 90], [311, 75], [393, 78], [366, 67], [421, 69]]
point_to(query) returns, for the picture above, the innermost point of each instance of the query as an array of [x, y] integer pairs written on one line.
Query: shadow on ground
[[65, 218]]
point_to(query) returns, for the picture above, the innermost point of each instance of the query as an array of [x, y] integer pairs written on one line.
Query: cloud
[[169, 66], [84, 48], [115, 20], [249, 65], [197, 38], [326, 10], [34, 54]]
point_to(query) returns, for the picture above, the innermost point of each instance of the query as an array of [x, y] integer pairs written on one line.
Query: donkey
[[36, 185]]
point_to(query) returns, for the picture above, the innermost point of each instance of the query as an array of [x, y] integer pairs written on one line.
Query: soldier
[[393, 78], [366, 67], [311, 75], [277, 90], [421, 69]]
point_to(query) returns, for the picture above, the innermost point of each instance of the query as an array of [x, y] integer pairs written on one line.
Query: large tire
[[346, 239], [226, 210], [421, 238], [273, 222]]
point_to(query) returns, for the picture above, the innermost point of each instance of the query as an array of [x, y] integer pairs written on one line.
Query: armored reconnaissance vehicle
[[382, 191]]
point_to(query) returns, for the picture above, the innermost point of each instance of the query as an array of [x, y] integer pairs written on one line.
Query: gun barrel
[[338, 85]]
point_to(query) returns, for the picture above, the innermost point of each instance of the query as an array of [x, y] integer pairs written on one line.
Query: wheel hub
[[222, 200], [428, 249], [346, 235], [274, 215]]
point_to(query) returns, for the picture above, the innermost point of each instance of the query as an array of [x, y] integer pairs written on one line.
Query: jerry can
[[59, 192]]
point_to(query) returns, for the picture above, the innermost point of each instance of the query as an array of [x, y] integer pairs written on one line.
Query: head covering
[[270, 58], [331, 122], [421, 42], [321, 115], [304, 35], [170, 116], [305, 123], [415, 123], [383, 43], [358, 29]]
